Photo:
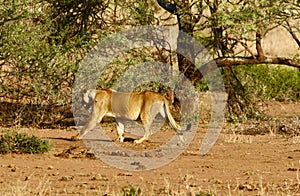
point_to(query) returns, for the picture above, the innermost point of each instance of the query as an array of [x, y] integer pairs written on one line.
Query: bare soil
[[252, 158]]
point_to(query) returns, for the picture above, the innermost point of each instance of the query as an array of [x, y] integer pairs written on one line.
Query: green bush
[[270, 82], [14, 142]]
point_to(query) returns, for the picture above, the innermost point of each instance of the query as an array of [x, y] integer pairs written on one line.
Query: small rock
[[93, 187], [67, 178], [82, 185], [55, 174], [99, 177], [135, 163], [292, 169], [75, 138], [125, 174], [50, 167], [12, 167]]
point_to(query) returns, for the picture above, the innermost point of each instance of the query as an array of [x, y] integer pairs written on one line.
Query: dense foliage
[[43, 42], [271, 82]]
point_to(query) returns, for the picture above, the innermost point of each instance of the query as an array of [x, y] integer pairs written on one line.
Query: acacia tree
[[224, 26], [229, 24], [41, 46]]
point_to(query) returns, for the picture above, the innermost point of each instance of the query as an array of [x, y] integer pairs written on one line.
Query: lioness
[[130, 106]]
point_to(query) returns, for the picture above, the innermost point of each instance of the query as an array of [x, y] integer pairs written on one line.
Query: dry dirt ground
[[252, 158]]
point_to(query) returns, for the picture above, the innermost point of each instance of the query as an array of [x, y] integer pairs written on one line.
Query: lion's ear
[[88, 96], [92, 94]]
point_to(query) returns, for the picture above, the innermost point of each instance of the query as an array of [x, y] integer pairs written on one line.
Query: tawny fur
[[130, 106]]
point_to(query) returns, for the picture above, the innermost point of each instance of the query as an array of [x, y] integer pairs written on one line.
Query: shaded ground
[[253, 158]]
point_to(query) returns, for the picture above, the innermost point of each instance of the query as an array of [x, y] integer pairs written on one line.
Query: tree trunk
[[185, 49]]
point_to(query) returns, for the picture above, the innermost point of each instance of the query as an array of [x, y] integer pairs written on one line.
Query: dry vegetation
[[257, 153]]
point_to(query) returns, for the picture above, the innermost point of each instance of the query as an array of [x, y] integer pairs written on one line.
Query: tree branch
[[167, 6], [259, 49], [292, 33], [223, 62]]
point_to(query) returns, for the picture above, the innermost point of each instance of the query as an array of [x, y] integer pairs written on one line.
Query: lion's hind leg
[[146, 135], [96, 117], [146, 121], [147, 118]]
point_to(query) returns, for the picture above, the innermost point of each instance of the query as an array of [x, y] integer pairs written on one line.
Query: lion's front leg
[[120, 130]]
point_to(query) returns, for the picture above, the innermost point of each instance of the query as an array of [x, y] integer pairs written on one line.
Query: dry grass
[[23, 188], [257, 186], [238, 138]]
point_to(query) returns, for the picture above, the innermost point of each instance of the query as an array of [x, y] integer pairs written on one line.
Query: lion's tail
[[170, 118], [173, 124], [172, 121]]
